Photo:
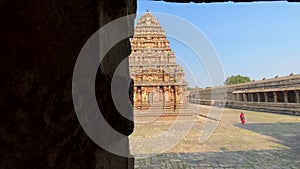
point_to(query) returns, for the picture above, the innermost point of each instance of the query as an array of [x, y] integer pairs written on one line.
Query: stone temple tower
[[158, 79]]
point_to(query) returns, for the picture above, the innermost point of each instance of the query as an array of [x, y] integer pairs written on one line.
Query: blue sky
[[252, 39]]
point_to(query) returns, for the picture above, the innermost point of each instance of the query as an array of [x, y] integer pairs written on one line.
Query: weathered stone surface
[[40, 41]]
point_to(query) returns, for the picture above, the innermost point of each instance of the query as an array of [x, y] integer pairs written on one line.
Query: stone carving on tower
[[158, 79]]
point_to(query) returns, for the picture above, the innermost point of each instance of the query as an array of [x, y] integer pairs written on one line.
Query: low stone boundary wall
[[282, 108]]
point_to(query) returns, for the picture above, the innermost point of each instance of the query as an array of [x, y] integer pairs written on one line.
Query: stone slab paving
[[267, 140], [249, 159]]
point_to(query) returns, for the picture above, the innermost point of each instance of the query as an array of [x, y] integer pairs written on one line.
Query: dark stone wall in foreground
[[40, 42]]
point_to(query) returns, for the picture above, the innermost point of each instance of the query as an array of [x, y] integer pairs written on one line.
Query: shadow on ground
[[287, 134], [278, 131], [234, 159]]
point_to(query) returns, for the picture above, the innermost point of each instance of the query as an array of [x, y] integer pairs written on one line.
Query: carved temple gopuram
[[158, 79]]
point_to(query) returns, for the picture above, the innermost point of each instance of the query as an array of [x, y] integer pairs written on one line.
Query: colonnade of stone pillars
[[275, 96]]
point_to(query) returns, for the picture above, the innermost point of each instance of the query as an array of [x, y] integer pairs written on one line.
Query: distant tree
[[237, 79]]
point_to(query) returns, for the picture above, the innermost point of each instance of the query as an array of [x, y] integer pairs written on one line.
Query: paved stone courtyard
[[267, 140]]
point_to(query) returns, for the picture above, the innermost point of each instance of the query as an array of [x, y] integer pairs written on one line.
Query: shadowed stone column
[[258, 97], [275, 97], [245, 97], [240, 96], [285, 95], [135, 94], [297, 96], [252, 97], [266, 97]]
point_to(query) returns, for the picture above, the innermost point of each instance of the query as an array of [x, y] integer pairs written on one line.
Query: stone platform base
[[145, 106], [166, 114]]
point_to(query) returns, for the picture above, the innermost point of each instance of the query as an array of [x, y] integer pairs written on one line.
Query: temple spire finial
[[147, 10]]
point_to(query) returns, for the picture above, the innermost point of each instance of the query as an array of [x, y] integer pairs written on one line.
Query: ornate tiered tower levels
[[158, 79]]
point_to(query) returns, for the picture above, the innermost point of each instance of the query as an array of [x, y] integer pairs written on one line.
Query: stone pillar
[[171, 94], [181, 94], [139, 94], [275, 97], [142, 93], [175, 97], [239, 96], [258, 97], [266, 97], [177, 94], [245, 97], [166, 91], [135, 94], [252, 97], [236, 97], [163, 97], [285, 95], [297, 96]]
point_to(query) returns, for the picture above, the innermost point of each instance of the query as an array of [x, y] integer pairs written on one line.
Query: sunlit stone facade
[[158, 79]]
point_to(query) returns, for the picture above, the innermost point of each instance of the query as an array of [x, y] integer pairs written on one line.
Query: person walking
[[242, 118]]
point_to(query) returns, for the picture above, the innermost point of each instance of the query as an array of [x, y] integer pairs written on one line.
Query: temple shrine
[[158, 79]]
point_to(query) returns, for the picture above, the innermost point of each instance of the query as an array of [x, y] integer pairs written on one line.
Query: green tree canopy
[[237, 79]]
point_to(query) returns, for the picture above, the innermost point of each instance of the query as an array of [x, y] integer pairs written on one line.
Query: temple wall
[[166, 97]]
